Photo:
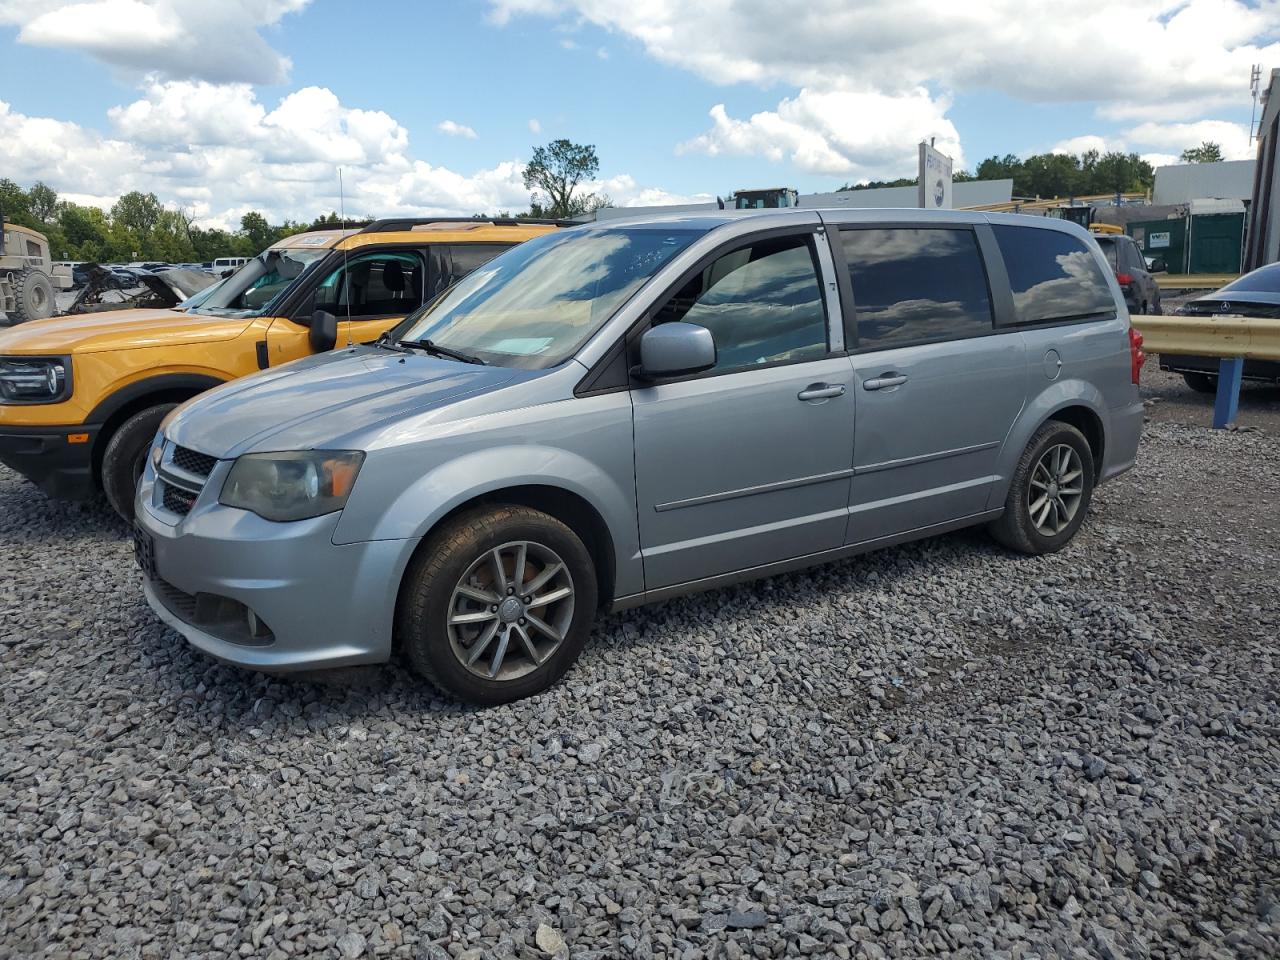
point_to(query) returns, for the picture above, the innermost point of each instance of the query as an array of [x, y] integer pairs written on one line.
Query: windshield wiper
[[439, 351]]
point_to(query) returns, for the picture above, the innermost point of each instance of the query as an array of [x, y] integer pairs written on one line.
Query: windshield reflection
[[536, 304]]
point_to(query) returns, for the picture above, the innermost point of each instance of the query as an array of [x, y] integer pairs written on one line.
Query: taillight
[[1136, 357], [1124, 279]]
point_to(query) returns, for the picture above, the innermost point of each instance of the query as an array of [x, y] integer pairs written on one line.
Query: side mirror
[[1157, 265], [675, 349], [324, 331]]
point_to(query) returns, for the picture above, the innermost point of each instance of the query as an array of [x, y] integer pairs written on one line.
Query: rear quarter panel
[[1095, 374]]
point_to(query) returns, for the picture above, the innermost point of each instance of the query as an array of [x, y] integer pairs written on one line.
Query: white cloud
[[456, 130], [535, 126], [215, 40], [1144, 62], [602, 53], [1161, 144], [1233, 138], [218, 152], [1083, 144], [856, 135], [1187, 55]]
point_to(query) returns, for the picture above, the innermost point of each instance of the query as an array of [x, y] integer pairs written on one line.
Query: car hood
[[310, 403], [118, 330]]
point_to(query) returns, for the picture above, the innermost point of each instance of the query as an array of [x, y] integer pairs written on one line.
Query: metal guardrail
[[1231, 337], [1194, 281]]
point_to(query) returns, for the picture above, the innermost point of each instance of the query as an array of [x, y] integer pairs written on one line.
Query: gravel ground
[[940, 749]]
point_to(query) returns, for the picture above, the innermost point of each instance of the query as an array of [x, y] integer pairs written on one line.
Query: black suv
[[1141, 293]]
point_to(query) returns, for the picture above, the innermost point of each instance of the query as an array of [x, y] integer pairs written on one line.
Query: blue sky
[[185, 98]]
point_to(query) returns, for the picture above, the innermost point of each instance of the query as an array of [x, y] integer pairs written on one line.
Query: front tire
[[125, 457], [497, 605], [1201, 382], [1050, 491]]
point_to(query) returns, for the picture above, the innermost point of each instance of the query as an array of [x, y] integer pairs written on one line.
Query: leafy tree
[[257, 231], [15, 205], [555, 172], [138, 212], [43, 202], [1207, 152]]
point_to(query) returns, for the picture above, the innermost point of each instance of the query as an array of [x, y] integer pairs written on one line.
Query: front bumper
[[46, 457], [322, 604]]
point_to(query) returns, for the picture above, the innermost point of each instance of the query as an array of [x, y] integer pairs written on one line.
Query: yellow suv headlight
[[34, 379]]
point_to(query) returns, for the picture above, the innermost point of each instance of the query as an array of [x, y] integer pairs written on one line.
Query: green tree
[[1049, 175], [43, 202], [258, 232], [137, 212], [1207, 152], [1121, 173], [15, 204], [554, 174]]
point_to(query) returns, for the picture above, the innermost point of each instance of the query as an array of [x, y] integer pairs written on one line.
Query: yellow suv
[[81, 397]]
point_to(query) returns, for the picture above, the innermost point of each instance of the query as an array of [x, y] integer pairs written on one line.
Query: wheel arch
[[571, 509], [1075, 402], [138, 396], [1087, 421]]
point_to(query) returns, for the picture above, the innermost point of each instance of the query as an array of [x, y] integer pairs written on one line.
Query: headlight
[[34, 379], [293, 485]]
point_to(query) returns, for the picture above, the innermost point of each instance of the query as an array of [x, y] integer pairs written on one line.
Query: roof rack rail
[[408, 223]]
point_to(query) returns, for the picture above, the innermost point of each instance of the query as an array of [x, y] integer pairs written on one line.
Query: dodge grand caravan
[[81, 397], [623, 412]]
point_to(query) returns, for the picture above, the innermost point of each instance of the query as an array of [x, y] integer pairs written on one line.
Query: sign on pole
[[935, 179]]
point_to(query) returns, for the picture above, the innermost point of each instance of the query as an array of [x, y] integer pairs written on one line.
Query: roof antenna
[[346, 273]]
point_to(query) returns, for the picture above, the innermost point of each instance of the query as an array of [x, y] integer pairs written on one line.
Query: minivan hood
[[310, 403], [117, 330]]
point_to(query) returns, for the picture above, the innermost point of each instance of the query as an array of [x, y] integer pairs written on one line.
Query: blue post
[[1227, 401]]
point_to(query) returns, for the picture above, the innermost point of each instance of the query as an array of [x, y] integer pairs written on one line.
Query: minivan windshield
[[254, 289], [534, 305]]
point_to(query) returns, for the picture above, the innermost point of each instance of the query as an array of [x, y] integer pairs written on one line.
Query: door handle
[[881, 383], [821, 391]]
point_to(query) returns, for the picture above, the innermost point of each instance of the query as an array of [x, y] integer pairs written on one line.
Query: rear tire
[[1201, 382], [1050, 491], [33, 296], [455, 576], [125, 457]]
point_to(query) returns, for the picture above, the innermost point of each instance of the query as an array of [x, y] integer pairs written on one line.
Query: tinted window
[[1133, 256], [536, 304], [762, 303], [916, 284], [1111, 250], [373, 285], [1263, 280], [1053, 275]]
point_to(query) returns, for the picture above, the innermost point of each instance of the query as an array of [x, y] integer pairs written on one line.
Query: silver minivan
[[626, 411]]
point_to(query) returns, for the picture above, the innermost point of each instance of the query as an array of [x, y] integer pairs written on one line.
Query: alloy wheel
[[1056, 489], [510, 610]]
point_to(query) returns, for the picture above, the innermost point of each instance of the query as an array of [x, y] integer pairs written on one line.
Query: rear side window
[[913, 285], [1054, 276]]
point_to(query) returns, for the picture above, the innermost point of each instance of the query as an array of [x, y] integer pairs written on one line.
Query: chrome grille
[[194, 462]]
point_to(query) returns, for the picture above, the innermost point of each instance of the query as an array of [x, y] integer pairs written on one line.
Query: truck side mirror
[[324, 331]]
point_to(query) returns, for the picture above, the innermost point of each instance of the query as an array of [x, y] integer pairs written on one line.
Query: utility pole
[[1255, 84]]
